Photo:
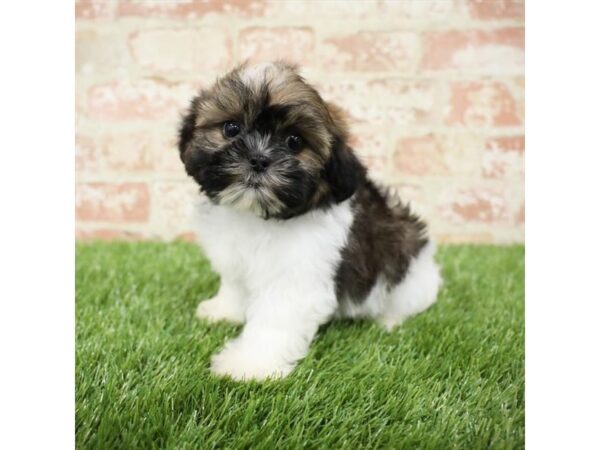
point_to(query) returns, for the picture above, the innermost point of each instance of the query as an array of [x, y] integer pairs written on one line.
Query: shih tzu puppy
[[297, 231]]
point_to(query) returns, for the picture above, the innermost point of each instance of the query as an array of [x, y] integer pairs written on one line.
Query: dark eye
[[294, 142], [231, 129]]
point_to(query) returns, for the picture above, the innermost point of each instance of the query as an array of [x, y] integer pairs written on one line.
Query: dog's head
[[261, 139]]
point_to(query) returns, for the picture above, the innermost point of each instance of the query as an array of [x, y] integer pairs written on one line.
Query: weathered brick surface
[[134, 154], [100, 52], [258, 44], [434, 91], [189, 10], [371, 148], [388, 101], [483, 104], [476, 205], [171, 208], [107, 202], [181, 49], [394, 10], [371, 51], [497, 9], [142, 99], [437, 154], [504, 156], [520, 215], [482, 51], [94, 9]]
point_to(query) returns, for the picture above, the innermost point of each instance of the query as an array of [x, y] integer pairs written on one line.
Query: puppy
[[292, 223]]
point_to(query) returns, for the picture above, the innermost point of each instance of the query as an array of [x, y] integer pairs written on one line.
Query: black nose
[[259, 163]]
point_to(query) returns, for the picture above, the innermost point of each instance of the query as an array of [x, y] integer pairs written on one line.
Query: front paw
[[217, 309], [242, 363]]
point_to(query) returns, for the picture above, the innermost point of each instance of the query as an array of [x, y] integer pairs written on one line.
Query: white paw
[[240, 364], [390, 322], [217, 309]]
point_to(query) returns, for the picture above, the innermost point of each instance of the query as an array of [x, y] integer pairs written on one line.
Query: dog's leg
[[229, 304], [416, 292], [281, 322]]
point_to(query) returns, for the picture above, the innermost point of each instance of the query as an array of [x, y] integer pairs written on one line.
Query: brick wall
[[435, 90]]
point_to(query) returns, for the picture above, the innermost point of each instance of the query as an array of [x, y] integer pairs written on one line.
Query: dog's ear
[[186, 129], [343, 171]]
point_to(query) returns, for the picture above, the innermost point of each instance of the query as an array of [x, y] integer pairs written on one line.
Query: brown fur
[[292, 106], [271, 104]]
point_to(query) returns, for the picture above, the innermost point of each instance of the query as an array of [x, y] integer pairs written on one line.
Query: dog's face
[[262, 140]]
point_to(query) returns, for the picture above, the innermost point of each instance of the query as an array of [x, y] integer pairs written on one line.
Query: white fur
[[391, 305], [256, 75], [283, 271], [228, 304], [278, 278]]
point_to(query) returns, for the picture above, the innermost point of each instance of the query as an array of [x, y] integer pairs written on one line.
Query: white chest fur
[[277, 277], [257, 251]]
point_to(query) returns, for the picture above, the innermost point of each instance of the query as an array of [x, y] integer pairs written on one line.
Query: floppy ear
[[344, 172], [186, 129]]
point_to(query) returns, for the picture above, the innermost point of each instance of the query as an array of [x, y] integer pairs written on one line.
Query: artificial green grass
[[452, 377]]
